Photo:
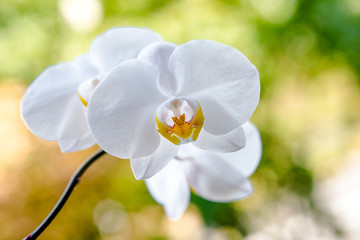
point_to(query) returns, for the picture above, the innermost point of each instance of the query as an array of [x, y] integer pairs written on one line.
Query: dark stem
[[74, 180]]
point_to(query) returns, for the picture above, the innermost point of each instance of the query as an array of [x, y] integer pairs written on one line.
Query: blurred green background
[[308, 183]]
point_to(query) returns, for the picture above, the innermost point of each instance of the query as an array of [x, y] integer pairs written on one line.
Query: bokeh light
[[82, 15]]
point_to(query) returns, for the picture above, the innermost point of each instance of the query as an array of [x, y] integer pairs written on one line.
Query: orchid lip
[[85, 90], [180, 120]]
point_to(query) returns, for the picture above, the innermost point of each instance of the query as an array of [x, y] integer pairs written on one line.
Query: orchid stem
[[74, 180]]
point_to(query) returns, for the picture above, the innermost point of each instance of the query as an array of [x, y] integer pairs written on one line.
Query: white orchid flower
[[200, 92], [218, 177], [52, 108]]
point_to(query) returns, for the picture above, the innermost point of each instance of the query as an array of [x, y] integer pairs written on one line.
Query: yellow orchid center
[[85, 89], [180, 120]]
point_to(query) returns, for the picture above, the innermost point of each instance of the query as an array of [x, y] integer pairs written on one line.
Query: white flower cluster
[[178, 112]]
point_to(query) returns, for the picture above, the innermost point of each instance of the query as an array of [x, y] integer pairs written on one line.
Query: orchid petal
[[158, 54], [170, 188], [86, 67], [74, 133], [145, 167], [229, 142], [72, 145], [247, 159], [121, 110], [119, 44], [221, 78], [51, 108], [215, 180]]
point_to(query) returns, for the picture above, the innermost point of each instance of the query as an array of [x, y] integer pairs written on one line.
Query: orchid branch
[[74, 180]]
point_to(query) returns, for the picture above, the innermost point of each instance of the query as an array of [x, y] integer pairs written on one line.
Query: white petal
[[146, 167], [229, 142], [72, 145], [170, 188], [158, 54], [51, 108], [247, 159], [73, 131], [86, 67], [215, 180], [121, 110], [221, 78], [119, 44]]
